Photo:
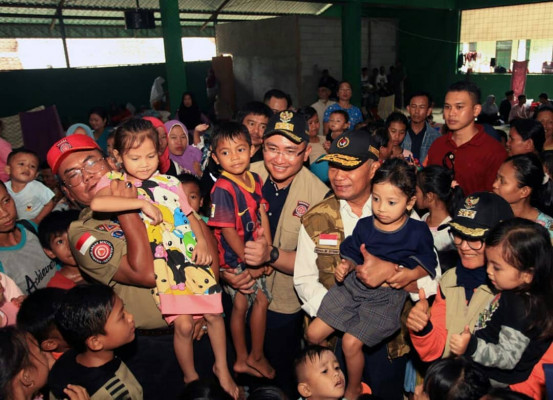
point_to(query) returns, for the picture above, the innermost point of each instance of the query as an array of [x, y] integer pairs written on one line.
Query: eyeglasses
[[91, 166], [449, 161], [473, 244], [288, 153]]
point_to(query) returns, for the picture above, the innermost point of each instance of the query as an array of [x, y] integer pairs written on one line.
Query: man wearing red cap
[[116, 252]]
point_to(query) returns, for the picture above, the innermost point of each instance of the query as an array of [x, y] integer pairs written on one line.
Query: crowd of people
[[313, 252]]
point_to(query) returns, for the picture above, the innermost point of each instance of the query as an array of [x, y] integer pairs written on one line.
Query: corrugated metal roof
[[110, 13]]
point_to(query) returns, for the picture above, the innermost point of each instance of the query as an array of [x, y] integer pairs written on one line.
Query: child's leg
[[318, 331], [258, 322], [216, 332], [184, 329], [238, 331], [355, 361]]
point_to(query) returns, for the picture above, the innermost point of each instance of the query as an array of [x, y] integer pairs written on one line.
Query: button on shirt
[[276, 199]]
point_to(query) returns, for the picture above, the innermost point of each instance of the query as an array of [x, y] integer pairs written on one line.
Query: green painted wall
[[500, 83], [428, 50], [75, 91]]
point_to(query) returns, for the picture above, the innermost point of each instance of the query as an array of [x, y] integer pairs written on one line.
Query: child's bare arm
[[201, 254], [103, 201], [44, 212]]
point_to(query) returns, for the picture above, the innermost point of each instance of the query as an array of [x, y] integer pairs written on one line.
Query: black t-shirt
[[416, 141]]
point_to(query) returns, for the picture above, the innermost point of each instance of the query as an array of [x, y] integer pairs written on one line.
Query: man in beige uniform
[[116, 252], [290, 190]]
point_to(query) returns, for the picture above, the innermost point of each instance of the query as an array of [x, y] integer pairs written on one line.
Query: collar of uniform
[[366, 212]]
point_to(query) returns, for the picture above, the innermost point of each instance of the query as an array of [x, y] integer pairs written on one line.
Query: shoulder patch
[[84, 242], [301, 209], [101, 251]]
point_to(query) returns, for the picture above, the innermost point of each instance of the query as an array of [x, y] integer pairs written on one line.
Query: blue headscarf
[[71, 130]]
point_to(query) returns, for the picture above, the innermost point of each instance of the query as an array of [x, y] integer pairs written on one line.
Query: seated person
[[52, 233], [93, 321]]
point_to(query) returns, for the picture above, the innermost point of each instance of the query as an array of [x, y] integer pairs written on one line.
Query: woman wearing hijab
[[79, 129], [190, 115], [185, 155]]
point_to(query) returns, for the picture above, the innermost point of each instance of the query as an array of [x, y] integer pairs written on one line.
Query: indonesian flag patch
[[328, 239], [84, 242]]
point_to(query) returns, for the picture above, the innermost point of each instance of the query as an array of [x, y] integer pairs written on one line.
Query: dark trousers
[[384, 376], [153, 362]]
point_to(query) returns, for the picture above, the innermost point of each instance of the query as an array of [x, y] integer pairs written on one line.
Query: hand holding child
[[343, 269], [460, 341], [402, 277]]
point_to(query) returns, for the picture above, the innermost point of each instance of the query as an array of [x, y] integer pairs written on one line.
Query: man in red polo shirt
[[473, 155]]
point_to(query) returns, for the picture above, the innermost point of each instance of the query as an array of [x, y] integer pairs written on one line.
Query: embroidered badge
[[471, 201], [101, 251], [29, 207], [118, 234], [63, 146], [328, 239], [343, 142], [84, 242], [301, 209]]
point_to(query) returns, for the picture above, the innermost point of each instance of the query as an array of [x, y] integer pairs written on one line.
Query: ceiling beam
[[96, 18], [108, 8], [213, 16]]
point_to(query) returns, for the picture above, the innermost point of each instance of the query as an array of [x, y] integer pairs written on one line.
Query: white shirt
[[306, 272]]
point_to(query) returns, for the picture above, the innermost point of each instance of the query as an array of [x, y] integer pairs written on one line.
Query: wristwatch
[[273, 255]]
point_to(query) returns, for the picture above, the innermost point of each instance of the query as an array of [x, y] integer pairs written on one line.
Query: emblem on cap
[[286, 116], [343, 142], [63, 145], [284, 123], [471, 201]]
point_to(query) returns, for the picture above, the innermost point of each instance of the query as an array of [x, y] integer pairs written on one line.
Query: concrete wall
[[321, 48], [265, 56], [289, 53]]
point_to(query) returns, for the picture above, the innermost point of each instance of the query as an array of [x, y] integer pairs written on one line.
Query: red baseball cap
[[63, 147]]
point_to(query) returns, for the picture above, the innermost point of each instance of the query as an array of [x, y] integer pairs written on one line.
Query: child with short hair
[[52, 233], [192, 189], [186, 285], [338, 123], [94, 322], [37, 316], [33, 200], [318, 374], [368, 315], [237, 213]]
